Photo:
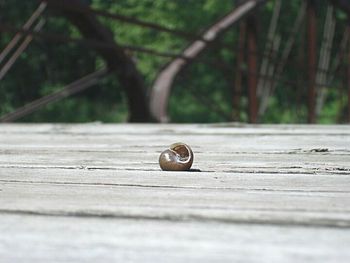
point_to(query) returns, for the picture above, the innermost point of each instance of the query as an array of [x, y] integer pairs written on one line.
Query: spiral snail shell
[[179, 157]]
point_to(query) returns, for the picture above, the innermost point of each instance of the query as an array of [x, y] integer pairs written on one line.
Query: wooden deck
[[95, 193]]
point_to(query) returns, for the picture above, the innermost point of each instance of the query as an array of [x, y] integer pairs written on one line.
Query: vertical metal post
[[237, 88], [312, 46], [252, 69]]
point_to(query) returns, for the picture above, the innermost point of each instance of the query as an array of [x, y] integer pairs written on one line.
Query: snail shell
[[179, 157]]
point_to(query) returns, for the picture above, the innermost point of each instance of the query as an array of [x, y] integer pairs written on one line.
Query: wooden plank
[[123, 154], [227, 205], [217, 129], [261, 166], [25, 239], [98, 193], [188, 180], [226, 156], [234, 141], [248, 139]]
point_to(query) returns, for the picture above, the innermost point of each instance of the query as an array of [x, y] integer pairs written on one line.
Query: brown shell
[[179, 157]]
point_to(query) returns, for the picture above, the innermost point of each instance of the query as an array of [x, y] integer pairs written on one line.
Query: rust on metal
[[160, 91], [237, 88], [252, 69]]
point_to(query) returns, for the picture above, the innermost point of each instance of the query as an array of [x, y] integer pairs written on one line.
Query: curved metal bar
[[162, 85]]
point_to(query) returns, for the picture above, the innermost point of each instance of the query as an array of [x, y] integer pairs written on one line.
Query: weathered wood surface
[[93, 192]]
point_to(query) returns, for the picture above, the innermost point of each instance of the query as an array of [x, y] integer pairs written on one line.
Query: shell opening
[[183, 152]]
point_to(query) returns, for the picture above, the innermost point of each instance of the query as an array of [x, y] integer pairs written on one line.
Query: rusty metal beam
[[36, 14], [252, 69], [73, 88], [312, 59], [7, 66], [162, 85], [125, 19], [117, 60], [237, 88]]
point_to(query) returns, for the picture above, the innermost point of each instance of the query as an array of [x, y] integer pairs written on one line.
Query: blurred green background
[[45, 67]]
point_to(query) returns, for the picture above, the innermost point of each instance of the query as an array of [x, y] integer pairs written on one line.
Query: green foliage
[[203, 93], [332, 110]]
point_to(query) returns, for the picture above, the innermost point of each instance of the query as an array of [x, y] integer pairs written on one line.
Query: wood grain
[[264, 193], [60, 239]]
